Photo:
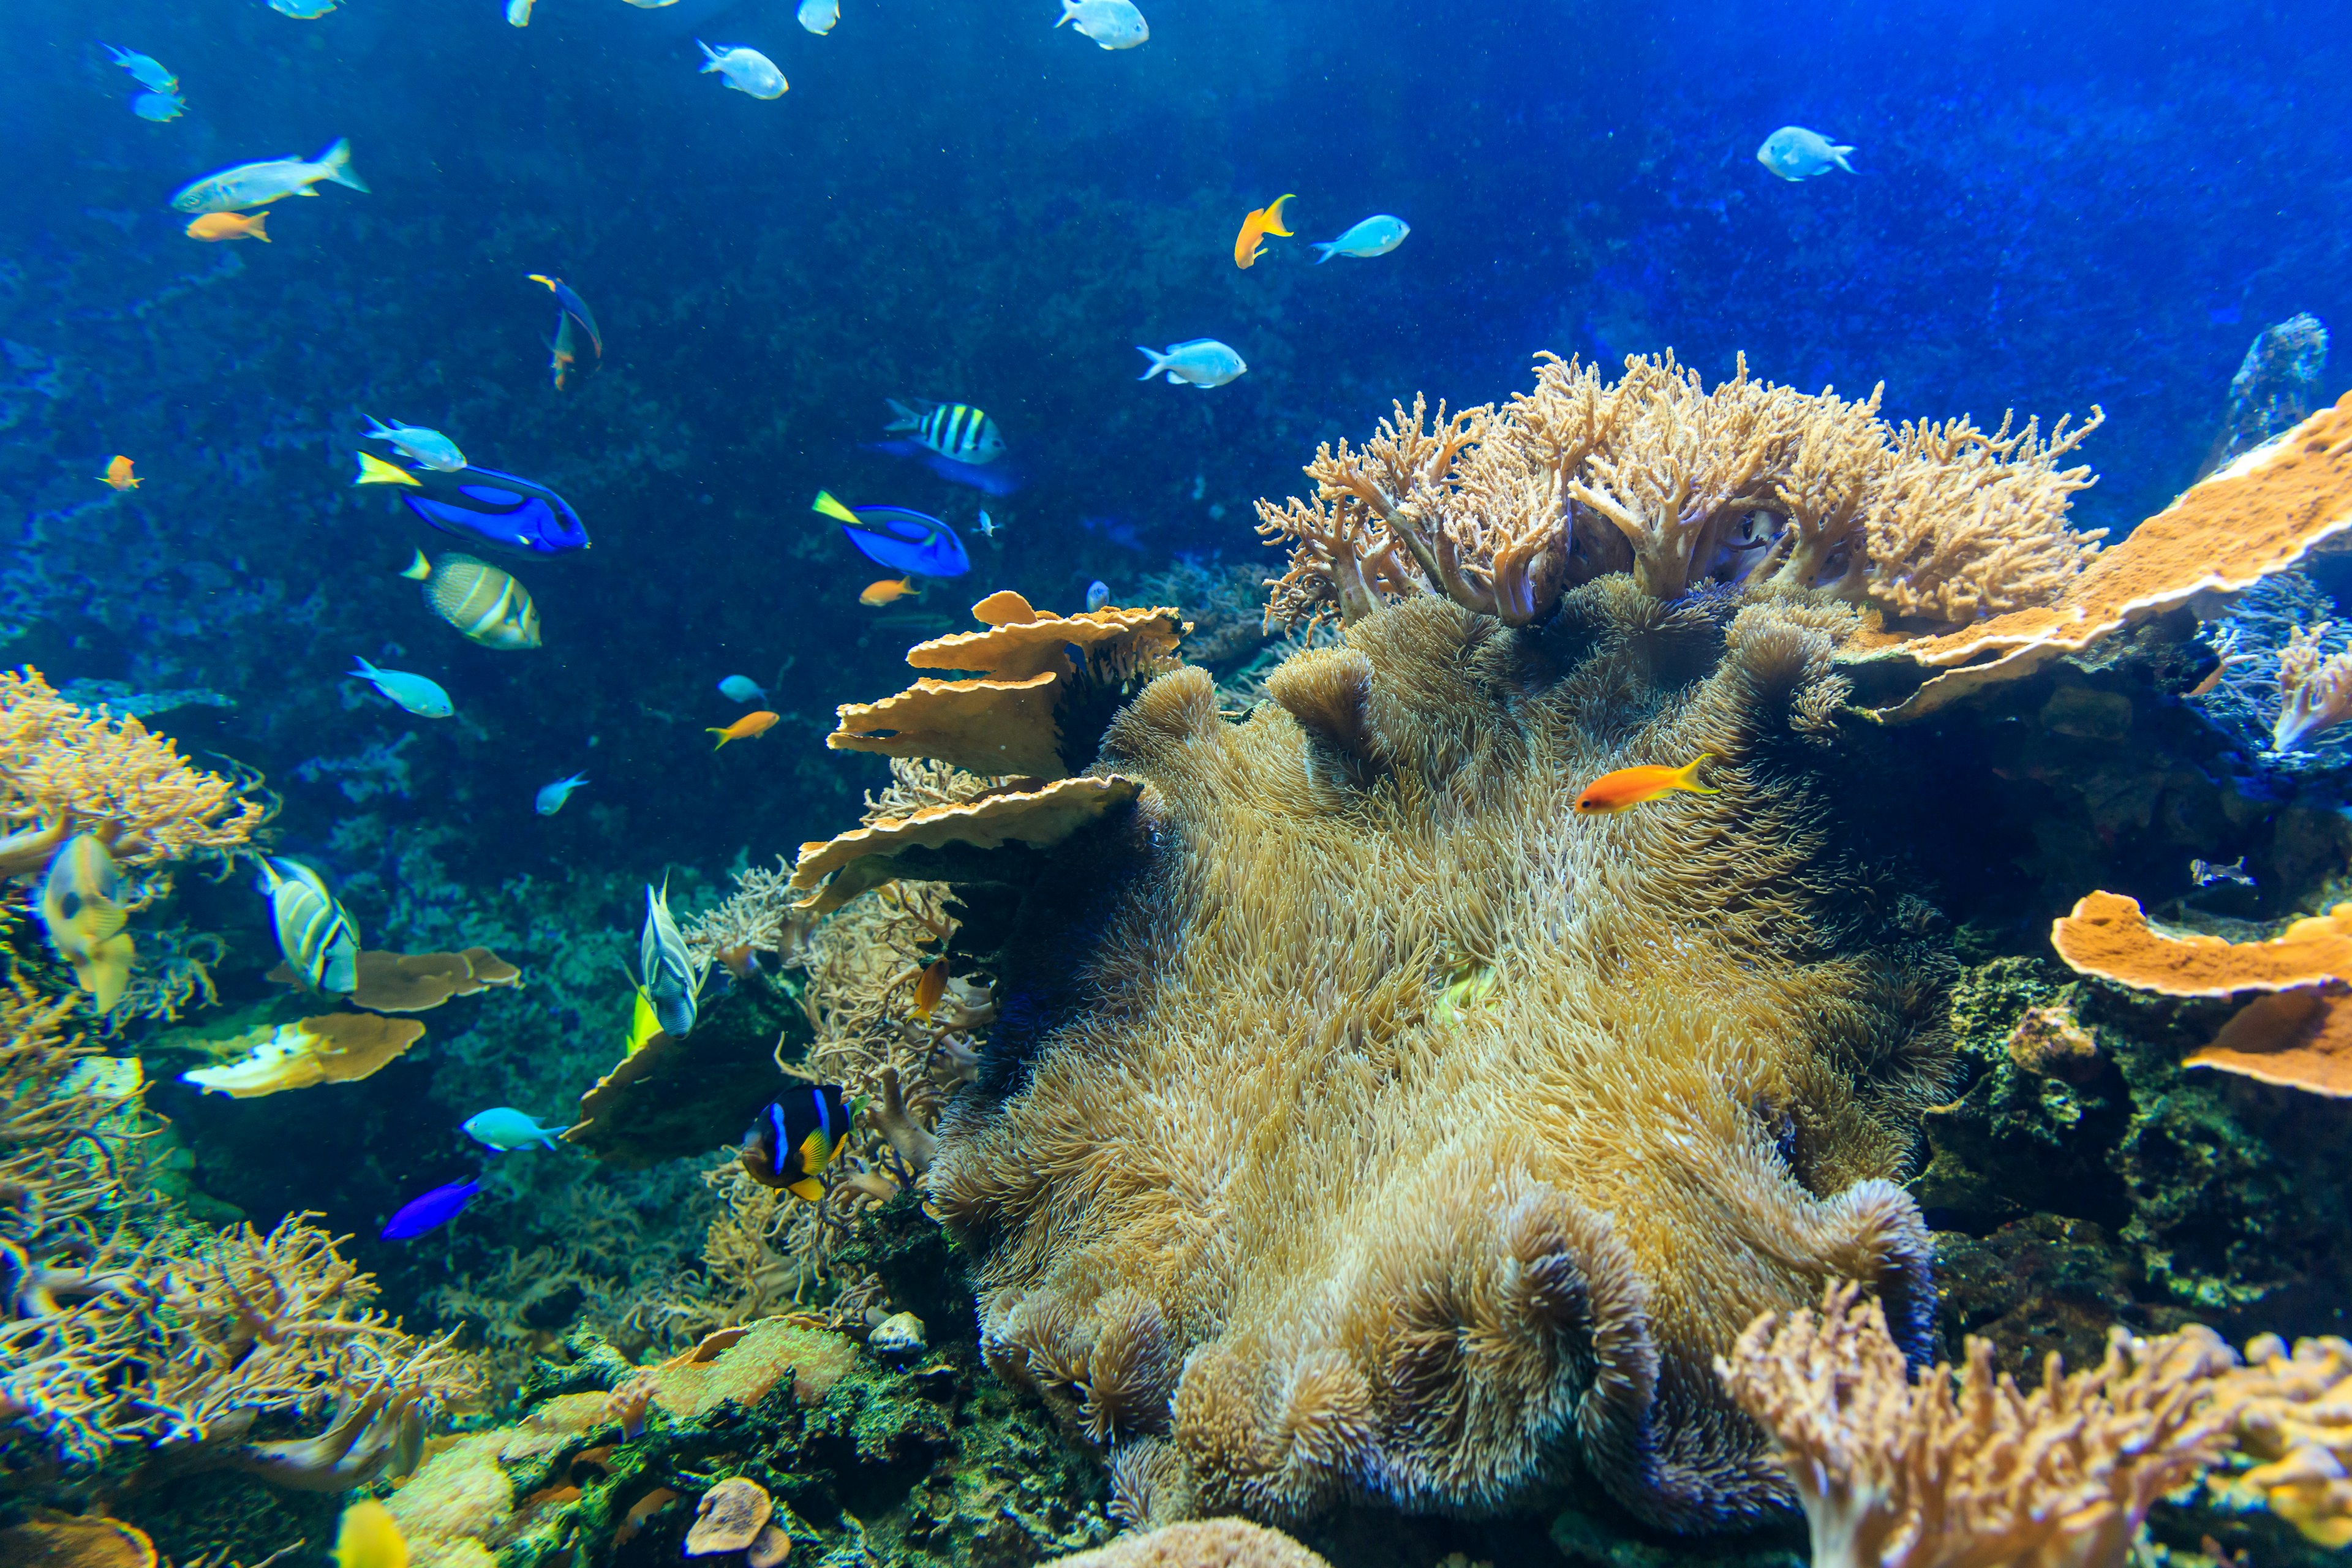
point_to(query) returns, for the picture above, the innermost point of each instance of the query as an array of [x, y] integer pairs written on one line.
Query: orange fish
[[747, 728], [931, 988], [117, 474], [889, 590], [1629, 787], [1267, 220], [217, 226]]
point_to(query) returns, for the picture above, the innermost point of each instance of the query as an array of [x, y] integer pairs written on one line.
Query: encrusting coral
[[1961, 1467], [1206, 1543]]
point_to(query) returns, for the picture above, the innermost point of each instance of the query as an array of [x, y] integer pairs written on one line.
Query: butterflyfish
[[214, 228], [897, 538], [81, 907], [1204, 363], [484, 506], [1265, 220], [667, 972], [258, 185], [1376, 235], [482, 602], [118, 476], [889, 591], [430, 1211], [1629, 787], [957, 431], [419, 694], [750, 727], [321, 944], [368, 1537], [795, 1139]]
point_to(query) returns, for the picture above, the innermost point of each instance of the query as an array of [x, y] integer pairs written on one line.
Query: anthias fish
[[893, 536], [258, 185], [431, 1210], [481, 601], [1265, 220], [118, 475], [795, 1139], [750, 727], [81, 908], [485, 506], [889, 591], [1629, 787], [214, 228], [956, 431], [321, 944]]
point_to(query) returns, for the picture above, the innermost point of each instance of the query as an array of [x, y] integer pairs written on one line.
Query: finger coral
[[1501, 510], [61, 766], [1963, 1467], [1358, 1120]]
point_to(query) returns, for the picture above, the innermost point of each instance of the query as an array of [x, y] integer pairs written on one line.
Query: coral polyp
[[1363, 1123]]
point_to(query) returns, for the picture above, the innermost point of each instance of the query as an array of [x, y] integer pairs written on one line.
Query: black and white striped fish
[[321, 945], [479, 599], [957, 431]]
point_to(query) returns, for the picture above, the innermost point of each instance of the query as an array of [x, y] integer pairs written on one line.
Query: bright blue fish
[[505, 1129], [901, 540], [431, 1211], [1001, 477], [486, 506]]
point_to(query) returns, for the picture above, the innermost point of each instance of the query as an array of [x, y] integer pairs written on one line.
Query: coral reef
[[2315, 689], [2108, 935], [2244, 694], [1209, 1544]]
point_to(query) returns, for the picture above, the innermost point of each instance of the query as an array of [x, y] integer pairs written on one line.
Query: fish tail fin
[[418, 570], [903, 417], [723, 737], [1274, 215], [1069, 9], [825, 504], [1159, 361], [337, 161], [542, 278], [374, 470], [366, 669], [709, 54], [1686, 776], [1328, 250], [1837, 156], [255, 229]]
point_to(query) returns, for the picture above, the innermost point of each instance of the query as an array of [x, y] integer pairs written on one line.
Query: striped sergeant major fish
[[667, 973], [479, 599], [956, 431], [795, 1139], [321, 944]]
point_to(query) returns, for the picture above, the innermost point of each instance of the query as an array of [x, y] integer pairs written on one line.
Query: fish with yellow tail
[[930, 986], [81, 906], [1265, 220], [795, 1139], [368, 1537], [484, 603], [1629, 787], [750, 727]]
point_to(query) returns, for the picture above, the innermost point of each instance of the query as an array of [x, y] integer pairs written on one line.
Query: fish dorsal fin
[[1004, 608]]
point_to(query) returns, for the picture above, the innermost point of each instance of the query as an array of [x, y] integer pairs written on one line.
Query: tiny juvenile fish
[[1203, 361], [429, 447], [750, 727], [795, 1139], [118, 475], [214, 228], [81, 908], [1794, 153], [1376, 235], [1265, 220], [368, 1537], [551, 798], [505, 1129], [889, 591], [420, 696], [2205, 873], [303, 10], [144, 70], [318, 940], [1098, 595], [162, 108], [481, 601], [956, 431], [667, 972], [1113, 23], [1629, 787], [258, 185], [430, 1211], [746, 70], [742, 688], [574, 324], [819, 15], [988, 527]]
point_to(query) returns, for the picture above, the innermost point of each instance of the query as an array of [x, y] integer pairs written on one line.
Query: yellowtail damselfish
[[795, 1139], [486, 604]]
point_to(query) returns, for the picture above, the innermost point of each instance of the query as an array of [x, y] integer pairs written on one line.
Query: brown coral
[[2106, 935], [1207, 1544], [1963, 1468], [730, 1517], [418, 982], [2297, 1040], [865, 857], [335, 1048]]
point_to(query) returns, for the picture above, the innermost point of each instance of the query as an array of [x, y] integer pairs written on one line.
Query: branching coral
[[1963, 1468], [59, 764], [2315, 689], [1654, 474]]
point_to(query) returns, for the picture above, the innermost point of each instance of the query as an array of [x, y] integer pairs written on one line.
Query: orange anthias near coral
[[750, 727], [889, 591], [1265, 220], [119, 475], [1628, 787]]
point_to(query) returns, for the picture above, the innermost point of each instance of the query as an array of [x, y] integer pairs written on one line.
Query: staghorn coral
[[1655, 475], [59, 764], [759, 916], [1965, 1469], [1353, 1123]]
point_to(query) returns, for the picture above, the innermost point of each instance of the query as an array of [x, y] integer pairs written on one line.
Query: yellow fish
[[117, 474], [643, 1024], [369, 1537], [1629, 787], [81, 905], [1267, 220], [748, 727], [931, 988], [374, 470], [216, 228], [889, 591]]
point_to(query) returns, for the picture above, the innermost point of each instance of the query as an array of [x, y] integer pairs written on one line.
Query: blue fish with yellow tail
[[795, 1139], [430, 1211], [894, 537], [575, 328], [490, 508]]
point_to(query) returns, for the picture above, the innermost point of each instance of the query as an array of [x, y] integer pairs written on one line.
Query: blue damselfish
[[430, 1212]]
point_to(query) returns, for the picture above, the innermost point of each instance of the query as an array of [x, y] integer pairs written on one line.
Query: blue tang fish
[[1001, 477], [420, 696], [501, 510], [894, 537], [505, 1129], [430, 1212]]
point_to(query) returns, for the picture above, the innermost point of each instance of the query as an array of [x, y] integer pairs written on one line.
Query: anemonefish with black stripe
[[795, 1139]]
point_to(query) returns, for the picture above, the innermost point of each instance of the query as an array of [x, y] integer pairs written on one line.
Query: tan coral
[[730, 1517], [2296, 1039], [76, 1541], [418, 982], [1962, 1466], [2108, 935], [865, 857], [336, 1047], [1205, 1543]]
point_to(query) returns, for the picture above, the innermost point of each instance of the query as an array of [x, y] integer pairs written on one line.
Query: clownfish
[[795, 1139], [1629, 787]]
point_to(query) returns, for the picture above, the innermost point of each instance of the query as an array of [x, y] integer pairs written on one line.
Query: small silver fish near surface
[[1794, 153], [1203, 361], [258, 185], [2205, 873], [551, 797], [746, 70], [1113, 23]]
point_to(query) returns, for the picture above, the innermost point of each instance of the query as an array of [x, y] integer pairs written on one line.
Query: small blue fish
[[1001, 477], [1203, 361], [505, 1129], [1098, 595], [161, 107], [1793, 153], [430, 1212], [901, 540], [988, 527], [420, 697], [742, 688], [418, 445], [552, 798], [144, 70], [1376, 235]]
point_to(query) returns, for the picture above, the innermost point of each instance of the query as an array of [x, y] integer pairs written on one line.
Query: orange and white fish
[[117, 474], [1629, 787], [1267, 220], [217, 226], [889, 590], [748, 727]]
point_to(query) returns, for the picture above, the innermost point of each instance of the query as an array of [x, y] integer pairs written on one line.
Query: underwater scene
[[1175, 784]]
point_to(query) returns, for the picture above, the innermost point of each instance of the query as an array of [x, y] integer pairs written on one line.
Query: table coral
[[2106, 934], [1359, 1121], [2298, 1039]]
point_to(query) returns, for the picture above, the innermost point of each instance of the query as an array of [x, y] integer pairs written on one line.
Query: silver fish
[[258, 185], [666, 969], [2205, 873], [321, 944]]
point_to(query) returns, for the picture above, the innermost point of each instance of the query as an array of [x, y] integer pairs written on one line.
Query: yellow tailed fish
[[479, 599], [81, 905], [368, 1537]]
